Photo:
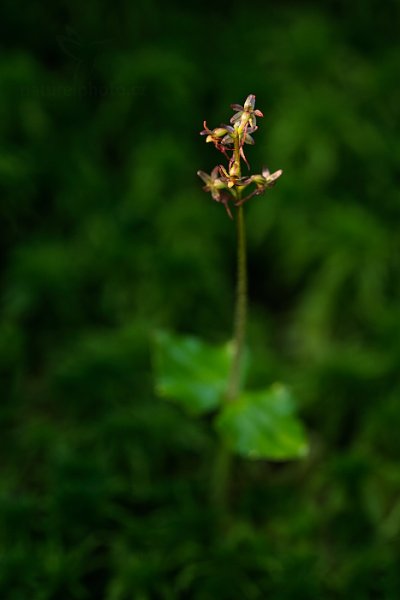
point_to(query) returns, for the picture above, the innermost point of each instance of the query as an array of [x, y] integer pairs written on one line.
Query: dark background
[[106, 236]]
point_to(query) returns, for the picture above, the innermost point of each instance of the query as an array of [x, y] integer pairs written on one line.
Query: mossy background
[[107, 236]]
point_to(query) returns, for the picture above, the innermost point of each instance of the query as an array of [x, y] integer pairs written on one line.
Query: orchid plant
[[204, 378], [228, 185]]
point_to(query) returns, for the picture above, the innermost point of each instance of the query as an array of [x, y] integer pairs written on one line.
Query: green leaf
[[262, 425], [192, 373]]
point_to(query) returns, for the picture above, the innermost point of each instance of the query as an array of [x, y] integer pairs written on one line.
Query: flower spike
[[227, 184]]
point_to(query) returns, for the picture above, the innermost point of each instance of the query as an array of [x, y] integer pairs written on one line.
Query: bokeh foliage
[[106, 236]]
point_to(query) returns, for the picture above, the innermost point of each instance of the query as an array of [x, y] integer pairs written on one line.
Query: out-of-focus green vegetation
[[106, 236]]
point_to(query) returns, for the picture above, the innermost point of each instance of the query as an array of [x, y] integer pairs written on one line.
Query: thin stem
[[240, 317], [224, 460], [240, 310]]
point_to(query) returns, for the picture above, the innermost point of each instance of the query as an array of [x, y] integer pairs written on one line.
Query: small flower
[[215, 135], [263, 181], [232, 178], [266, 179], [213, 183], [246, 114], [217, 187]]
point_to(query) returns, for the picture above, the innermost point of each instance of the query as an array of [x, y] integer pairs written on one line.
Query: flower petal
[[225, 199], [250, 102], [206, 130], [227, 140], [223, 171], [214, 173], [236, 117], [265, 172], [204, 176], [274, 176]]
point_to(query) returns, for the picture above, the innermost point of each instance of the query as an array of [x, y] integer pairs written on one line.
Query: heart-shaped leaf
[[191, 372], [263, 425]]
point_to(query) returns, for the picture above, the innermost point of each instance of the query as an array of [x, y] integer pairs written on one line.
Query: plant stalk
[[224, 459], [240, 318]]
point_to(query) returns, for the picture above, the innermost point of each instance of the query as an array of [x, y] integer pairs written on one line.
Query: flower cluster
[[227, 184]]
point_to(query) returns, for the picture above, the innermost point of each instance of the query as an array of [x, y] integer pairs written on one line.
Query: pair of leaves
[[257, 425]]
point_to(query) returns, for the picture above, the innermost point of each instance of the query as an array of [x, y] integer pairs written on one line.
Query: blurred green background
[[106, 236]]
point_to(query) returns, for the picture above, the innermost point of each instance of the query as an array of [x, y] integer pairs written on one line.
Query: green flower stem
[[224, 460], [240, 310]]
